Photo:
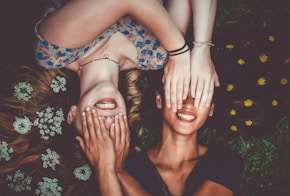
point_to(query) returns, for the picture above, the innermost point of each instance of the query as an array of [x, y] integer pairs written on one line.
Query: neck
[[177, 148], [96, 72]]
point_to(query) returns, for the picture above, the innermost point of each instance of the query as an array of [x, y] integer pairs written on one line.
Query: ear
[[210, 114], [158, 100], [71, 114]]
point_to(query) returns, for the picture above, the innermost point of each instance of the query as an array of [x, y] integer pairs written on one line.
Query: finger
[[179, 95], [89, 119], [167, 94], [122, 128], [173, 87], [81, 142], [103, 131], [205, 94], [198, 93], [112, 131], [193, 84], [127, 133], [185, 88], [96, 124], [85, 127], [216, 80], [117, 130], [210, 94]]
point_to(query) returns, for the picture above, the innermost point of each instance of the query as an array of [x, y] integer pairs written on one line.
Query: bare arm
[[99, 149]]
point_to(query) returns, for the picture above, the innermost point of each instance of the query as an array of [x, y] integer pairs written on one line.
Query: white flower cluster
[[49, 186], [49, 122], [19, 182], [58, 84], [51, 159], [22, 125], [23, 91], [83, 173], [5, 151]]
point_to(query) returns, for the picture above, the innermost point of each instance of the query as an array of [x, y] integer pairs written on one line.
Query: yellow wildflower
[[138, 149], [284, 81], [230, 46], [234, 128], [261, 81], [263, 58], [248, 102], [230, 87], [241, 61], [274, 102], [287, 60], [249, 122], [233, 112], [271, 38]]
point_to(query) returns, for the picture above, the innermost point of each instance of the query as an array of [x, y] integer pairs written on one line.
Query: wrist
[[198, 44]]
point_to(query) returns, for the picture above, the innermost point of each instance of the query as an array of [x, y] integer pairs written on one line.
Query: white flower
[[58, 84], [22, 125], [5, 151], [19, 182], [83, 173], [48, 187], [49, 122], [23, 91], [51, 159]]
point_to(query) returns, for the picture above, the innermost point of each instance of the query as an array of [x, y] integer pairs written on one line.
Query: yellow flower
[[274, 102], [249, 122], [287, 60], [263, 58], [248, 102], [271, 38], [138, 149], [284, 81], [261, 81], [233, 112], [230, 87], [241, 61], [230, 46], [234, 128]]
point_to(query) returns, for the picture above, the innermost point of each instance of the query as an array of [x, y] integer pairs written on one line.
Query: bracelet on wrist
[[181, 50], [169, 54], [199, 44]]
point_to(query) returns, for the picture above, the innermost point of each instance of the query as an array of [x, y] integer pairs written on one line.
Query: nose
[[189, 100]]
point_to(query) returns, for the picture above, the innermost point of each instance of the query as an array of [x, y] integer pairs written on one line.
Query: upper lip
[[106, 104]]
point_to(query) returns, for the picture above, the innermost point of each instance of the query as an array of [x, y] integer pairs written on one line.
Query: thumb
[[81, 142]]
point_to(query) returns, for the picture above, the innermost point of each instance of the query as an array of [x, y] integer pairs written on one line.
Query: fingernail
[[88, 109], [93, 110], [83, 113]]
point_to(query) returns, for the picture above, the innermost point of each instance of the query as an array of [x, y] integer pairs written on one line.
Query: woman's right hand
[[176, 80], [96, 142]]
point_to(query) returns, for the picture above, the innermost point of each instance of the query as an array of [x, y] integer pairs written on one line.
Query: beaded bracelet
[[198, 44]]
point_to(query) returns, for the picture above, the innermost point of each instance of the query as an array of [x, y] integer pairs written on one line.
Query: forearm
[[180, 13], [203, 19], [129, 185], [156, 18], [108, 182]]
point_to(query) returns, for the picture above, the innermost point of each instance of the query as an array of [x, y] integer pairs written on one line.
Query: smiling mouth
[[185, 117], [106, 104]]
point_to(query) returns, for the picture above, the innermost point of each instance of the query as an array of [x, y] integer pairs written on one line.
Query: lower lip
[[106, 100]]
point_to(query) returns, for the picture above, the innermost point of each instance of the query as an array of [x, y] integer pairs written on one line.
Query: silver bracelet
[[198, 44]]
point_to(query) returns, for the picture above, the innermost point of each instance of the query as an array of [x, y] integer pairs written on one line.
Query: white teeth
[[185, 116], [106, 105]]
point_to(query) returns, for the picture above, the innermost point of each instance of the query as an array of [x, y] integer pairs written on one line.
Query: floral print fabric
[[151, 55]]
